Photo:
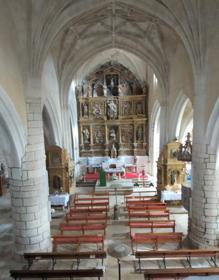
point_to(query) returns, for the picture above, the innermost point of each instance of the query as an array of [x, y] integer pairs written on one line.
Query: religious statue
[[124, 88], [86, 136], [97, 110], [85, 110], [113, 152], [126, 108], [112, 134], [99, 137], [139, 133], [112, 109]]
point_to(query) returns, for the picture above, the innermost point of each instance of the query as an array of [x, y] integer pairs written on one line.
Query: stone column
[[204, 212], [29, 188], [203, 216]]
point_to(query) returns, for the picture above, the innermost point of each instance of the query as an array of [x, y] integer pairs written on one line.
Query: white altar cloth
[[170, 195], [59, 199]]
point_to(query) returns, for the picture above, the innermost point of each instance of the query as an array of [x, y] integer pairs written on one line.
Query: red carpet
[[91, 176], [127, 175], [132, 175]]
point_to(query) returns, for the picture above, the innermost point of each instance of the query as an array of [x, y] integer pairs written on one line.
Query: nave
[[117, 231]]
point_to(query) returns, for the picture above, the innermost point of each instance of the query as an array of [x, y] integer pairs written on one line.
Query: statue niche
[[98, 89], [112, 111], [112, 81]]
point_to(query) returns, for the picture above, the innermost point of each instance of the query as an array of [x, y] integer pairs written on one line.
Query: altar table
[[59, 199]]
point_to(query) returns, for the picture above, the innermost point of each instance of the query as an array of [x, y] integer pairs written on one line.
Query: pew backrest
[[31, 257], [49, 274], [179, 272]]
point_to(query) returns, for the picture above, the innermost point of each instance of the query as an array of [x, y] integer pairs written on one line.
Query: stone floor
[[117, 230]]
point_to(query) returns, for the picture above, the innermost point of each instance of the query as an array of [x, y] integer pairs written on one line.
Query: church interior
[[109, 128]]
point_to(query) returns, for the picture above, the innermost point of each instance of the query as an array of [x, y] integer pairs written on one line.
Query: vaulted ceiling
[[88, 32]]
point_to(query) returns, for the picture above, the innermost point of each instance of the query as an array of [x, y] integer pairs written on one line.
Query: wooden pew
[[179, 272], [83, 228], [86, 218], [54, 256], [153, 224], [141, 197], [92, 194], [91, 204], [142, 208], [63, 273], [186, 254], [139, 202], [90, 199], [78, 239], [156, 238], [147, 198], [89, 210], [149, 214]]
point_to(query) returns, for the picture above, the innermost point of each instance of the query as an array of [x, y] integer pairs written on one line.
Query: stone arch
[[212, 133], [74, 122], [50, 123], [12, 129], [154, 142], [177, 116], [51, 108]]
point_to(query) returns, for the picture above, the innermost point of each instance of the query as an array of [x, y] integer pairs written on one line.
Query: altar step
[[82, 184]]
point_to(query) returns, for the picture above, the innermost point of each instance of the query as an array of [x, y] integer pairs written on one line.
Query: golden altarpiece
[[170, 171], [112, 106], [60, 170]]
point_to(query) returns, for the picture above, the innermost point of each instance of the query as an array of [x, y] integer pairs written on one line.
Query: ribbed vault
[[76, 31]]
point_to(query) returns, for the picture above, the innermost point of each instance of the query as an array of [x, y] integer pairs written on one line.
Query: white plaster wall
[[180, 77], [212, 67], [11, 74]]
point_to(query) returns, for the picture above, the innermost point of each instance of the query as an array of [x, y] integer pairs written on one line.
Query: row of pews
[[148, 214], [85, 223]]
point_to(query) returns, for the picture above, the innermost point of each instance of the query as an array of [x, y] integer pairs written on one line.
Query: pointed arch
[[154, 138], [55, 129], [176, 117], [12, 125], [212, 133]]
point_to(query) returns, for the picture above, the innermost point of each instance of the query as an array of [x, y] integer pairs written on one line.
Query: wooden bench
[[86, 218], [92, 194], [141, 197], [78, 239], [82, 227], [54, 256], [145, 197], [89, 210], [187, 254], [179, 272], [156, 238], [91, 199], [64, 273], [149, 214], [137, 202], [142, 208], [153, 224], [91, 204]]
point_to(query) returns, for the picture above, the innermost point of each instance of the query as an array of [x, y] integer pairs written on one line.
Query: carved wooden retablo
[[113, 113]]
